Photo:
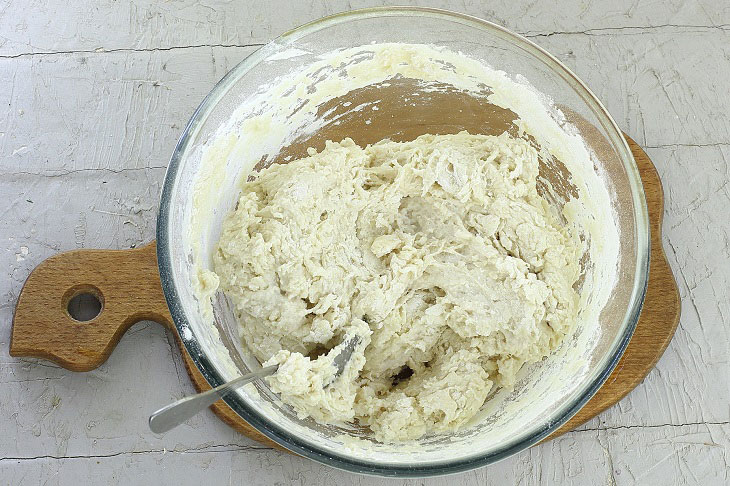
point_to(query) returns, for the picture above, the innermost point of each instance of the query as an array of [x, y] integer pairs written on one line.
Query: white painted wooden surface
[[93, 95]]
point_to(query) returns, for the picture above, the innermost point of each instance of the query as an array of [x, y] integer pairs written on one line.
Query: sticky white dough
[[439, 253]]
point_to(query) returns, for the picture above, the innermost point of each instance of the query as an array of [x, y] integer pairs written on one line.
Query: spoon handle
[[178, 412]]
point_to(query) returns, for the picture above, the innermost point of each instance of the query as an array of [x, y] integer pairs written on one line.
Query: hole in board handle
[[83, 303]]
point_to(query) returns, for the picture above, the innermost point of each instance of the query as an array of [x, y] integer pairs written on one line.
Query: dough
[[439, 253]]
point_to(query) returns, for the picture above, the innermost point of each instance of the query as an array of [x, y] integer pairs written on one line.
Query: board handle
[[125, 282]]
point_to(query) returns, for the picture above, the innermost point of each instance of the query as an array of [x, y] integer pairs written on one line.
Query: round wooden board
[[127, 282]]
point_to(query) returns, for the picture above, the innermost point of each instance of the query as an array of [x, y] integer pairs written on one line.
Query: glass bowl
[[248, 121]]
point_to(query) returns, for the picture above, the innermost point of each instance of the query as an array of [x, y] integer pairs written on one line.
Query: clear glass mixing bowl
[[522, 417]]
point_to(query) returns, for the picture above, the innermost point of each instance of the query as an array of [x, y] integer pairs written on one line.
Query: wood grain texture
[[129, 284], [126, 282]]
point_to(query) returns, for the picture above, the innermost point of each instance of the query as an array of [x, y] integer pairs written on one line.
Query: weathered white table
[[94, 94]]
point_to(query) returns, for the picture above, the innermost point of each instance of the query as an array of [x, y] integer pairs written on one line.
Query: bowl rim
[[274, 431]]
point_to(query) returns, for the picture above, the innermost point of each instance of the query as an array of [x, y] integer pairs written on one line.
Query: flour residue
[[285, 109]]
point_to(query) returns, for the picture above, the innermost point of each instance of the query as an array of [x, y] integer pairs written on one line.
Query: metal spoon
[[178, 412]]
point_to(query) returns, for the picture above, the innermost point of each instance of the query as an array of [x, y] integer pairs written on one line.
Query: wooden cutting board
[[127, 283]]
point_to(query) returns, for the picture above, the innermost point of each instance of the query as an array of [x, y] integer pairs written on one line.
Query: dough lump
[[439, 253]]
